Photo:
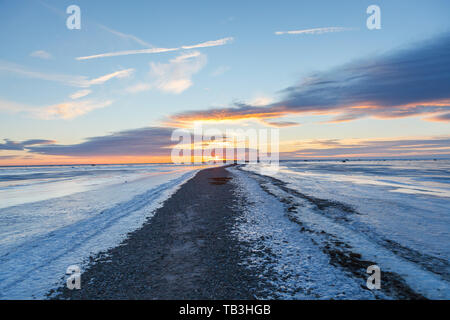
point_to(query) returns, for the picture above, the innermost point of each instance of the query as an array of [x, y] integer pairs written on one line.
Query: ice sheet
[[393, 212], [67, 214]]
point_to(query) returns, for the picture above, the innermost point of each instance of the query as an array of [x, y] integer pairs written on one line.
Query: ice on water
[[401, 212], [52, 217]]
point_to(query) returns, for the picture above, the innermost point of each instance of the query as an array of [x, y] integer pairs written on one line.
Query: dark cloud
[[445, 117], [149, 141], [434, 147], [409, 82], [139, 142], [281, 124], [156, 141], [13, 145], [7, 157]]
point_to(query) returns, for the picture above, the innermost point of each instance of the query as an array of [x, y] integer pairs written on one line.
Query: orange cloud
[[405, 83], [343, 113]]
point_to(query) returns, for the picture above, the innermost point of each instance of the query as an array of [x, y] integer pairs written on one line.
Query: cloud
[[314, 30], [41, 54], [220, 70], [80, 94], [213, 43], [70, 110], [128, 52], [261, 101], [239, 112], [65, 110], [70, 80], [281, 124], [12, 107], [445, 117], [175, 76], [12, 145], [139, 87], [438, 147], [122, 35], [150, 141], [8, 157], [76, 81], [414, 81], [118, 74], [126, 36], [156, 141]]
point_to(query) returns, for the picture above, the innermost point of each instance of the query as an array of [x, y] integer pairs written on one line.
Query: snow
[[298, 268], [393, 213], [401, 212], [93, 210]]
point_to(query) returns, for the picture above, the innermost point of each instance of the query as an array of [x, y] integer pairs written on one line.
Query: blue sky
[[39, 70]]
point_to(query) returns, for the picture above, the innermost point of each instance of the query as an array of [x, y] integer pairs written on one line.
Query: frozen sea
[[394, 213], [52, 217]]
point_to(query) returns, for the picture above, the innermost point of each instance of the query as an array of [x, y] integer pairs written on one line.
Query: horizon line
[[206, 162]]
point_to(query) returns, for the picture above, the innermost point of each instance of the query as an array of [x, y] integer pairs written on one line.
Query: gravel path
[[186, 251]]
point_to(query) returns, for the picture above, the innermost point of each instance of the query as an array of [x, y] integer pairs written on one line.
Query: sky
[[114, 90]]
